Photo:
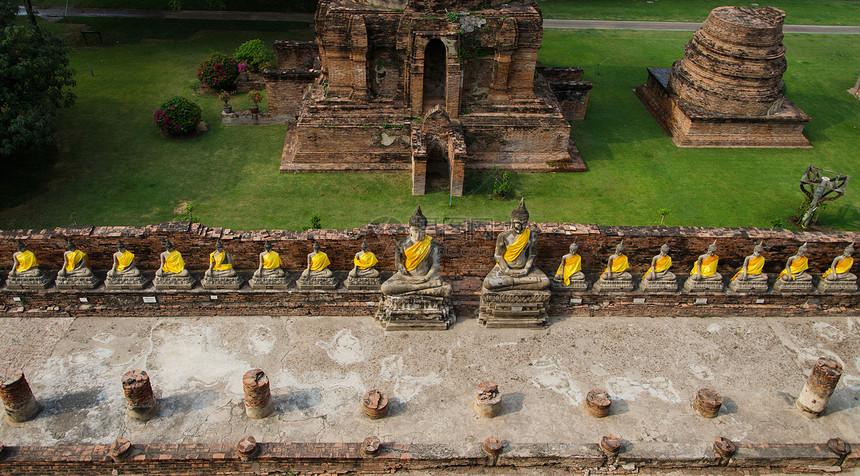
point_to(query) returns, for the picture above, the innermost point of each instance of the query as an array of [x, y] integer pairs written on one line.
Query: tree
[[35, 80]]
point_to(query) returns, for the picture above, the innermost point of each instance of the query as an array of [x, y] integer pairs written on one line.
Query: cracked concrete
[[319, 368]]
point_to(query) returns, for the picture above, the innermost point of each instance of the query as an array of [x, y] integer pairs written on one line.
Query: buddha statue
[[317, 275], [416, 297], [270, 273], [838, 277], [171, 273], [123, 273], [794, 277], [221, 274], [750, 277], [658, 278], [75, 273], [363, 275], [25, 272], [515, 253], [615, 277], [704, 276], [569, 274]]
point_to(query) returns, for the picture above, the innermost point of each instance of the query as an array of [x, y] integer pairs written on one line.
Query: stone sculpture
[[364, 276], [221, 274], [658, 278], [318, 275], [416, 297], [123, 273], [704, 277], [515, 292], [569, 274], [76, 272], [269, 273], [25, 273], [615, 278], [794, 278], [171, 273], [750, 278], [838, 278]]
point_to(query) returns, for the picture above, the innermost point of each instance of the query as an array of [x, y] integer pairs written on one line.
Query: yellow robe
[[73, 258], [124, 260], [272, 260], [619, 265], [662, 264], [799, 265], [416, 253], [754, 267], [841, 268], [174, 263], [367, 260], [513, 250], [319, 261], [570, 267], [709, 266], [218, 259], [26, 260]]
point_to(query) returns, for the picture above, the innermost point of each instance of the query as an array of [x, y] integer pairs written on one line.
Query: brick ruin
[[727, 90], [435, 88]]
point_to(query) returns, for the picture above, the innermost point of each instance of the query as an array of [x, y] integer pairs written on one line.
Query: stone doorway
[[438, 171], [435, 73]]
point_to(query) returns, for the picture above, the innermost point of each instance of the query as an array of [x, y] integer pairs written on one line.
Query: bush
[[256, 54], [177, 116], [219, 71]]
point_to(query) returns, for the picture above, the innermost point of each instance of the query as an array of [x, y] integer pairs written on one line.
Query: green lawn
[[114, 168]]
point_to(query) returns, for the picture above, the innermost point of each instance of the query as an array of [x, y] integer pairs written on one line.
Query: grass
[[114, 168]]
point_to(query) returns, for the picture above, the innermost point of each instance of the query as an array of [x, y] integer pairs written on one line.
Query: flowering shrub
[[243, 67], [254, 96], [219, 71], [177, 116], [256, 54], [225, 96]]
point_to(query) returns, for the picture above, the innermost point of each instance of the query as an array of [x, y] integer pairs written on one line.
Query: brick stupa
[[436, 88], [727, 90]]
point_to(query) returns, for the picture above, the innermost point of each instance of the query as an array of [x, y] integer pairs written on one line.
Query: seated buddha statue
[[752, 267], [172, 263], [270, 264], [660, 265], [24, 263], [123, 263], [796, 266], [615, 276], [416, 259], [364, 263], [705, 267], [74, 263], [220, 263], [840, 268], [515, 253], [570, 268], [318, 264]]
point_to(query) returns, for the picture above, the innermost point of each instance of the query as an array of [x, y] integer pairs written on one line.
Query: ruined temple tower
[[434, 87], [727, 90]]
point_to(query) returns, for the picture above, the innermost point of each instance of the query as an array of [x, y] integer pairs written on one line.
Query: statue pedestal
[[657, 286], [125, 282], [748, 287], [363, 284], [415, 312], [27, 283], [703, 286], [792, 287], [222, 282], [613, 286], [317, 284], [579, 285], [280, 283], [839, 286], [513, 308], [77, 282], [171, 282]]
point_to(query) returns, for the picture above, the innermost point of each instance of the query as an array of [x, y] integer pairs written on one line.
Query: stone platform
[[703, 286], [836, 287], [653, 286], [748, 287], [181, 283], [317, 284], [27, 283], [792, 287], [363, 284], [126, 282], [281, 284], [613, 286], [513, 308], [77, 282], [226, 282], [415, 312]]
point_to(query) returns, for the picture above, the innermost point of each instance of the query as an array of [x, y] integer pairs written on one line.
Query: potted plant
[[225, 96], [255, 97]]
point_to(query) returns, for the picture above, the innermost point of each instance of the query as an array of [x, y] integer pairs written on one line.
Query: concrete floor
[[320, 367]]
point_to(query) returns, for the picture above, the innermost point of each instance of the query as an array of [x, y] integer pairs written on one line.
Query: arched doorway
[[438, 171], [435, 73]]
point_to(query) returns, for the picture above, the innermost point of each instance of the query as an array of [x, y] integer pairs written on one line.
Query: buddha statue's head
[[168, 245], [712, 248], [268, 246], [316, 246], [70, 245], [619, 248], [417, 225], [759, 249], [801, 251], [364, 245], [218, 246], [664, 250], [849, 250], [120, 246], [520, 217], [20, 245], [573, 248]]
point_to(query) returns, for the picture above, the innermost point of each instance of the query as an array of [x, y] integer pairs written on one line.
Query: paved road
[[52, 12]]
